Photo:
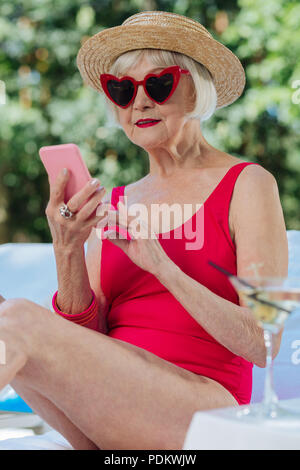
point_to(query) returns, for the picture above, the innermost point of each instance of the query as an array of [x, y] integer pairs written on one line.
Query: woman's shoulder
[[255, 182], [253, 173]]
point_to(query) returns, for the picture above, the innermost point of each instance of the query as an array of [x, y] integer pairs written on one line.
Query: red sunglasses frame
[[175, 70]]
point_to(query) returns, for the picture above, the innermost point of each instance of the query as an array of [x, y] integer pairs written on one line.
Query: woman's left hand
[[144, 248]]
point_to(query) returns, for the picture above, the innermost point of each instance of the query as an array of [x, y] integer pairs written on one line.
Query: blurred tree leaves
[[47, 103], [264, 124]]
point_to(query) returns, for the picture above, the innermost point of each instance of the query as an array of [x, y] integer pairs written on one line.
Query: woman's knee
[[16, 313], [17, 319]]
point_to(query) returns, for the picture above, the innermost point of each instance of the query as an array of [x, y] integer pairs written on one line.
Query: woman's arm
[[93, 263], [74, 290], [260, 237], [74, 299], [78, 274]]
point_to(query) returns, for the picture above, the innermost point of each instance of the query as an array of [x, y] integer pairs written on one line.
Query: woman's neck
[[188, 150]]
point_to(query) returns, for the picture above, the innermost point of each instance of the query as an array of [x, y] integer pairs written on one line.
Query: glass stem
[[270, 399]]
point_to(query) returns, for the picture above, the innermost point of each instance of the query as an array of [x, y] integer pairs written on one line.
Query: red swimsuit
[[143, 312]]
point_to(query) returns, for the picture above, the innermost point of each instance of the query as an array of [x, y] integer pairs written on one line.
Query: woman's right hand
[[74, 231]]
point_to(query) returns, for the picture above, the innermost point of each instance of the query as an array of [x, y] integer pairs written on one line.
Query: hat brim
[[99, 52]]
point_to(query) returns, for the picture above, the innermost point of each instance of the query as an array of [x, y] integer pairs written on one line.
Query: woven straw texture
[[167, 31]]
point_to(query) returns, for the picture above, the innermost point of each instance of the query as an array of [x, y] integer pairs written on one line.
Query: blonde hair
[[205, 96]]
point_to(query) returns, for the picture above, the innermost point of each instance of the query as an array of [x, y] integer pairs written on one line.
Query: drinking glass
[[272, 300]]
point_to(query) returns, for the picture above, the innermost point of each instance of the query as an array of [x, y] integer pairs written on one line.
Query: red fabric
[[143, 312]]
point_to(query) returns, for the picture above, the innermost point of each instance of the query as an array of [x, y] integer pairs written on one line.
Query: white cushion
[[28, 270], [50, 440]]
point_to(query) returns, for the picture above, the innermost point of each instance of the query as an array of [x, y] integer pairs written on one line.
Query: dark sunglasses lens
[[120, 92], [159, 88]]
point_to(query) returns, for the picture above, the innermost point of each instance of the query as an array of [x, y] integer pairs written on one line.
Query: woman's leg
[[118, 396], [15, 360], [53, 416]]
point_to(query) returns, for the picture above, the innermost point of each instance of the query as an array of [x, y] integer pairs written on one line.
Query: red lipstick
[[147, 122]]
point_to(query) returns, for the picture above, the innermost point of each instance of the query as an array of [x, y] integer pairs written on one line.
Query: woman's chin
[[149, 142]]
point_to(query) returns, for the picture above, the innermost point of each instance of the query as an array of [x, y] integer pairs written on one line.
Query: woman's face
[[171, 115]]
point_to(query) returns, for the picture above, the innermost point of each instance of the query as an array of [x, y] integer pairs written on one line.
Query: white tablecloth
[[219, 430]]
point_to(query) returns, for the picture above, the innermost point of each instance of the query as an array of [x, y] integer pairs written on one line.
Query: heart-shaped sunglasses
[[158, 88]]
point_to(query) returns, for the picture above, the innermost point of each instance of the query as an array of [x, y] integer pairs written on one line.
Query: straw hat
[[167, 31]]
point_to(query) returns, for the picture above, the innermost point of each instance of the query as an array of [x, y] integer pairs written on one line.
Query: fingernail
[[94, 182], [100, 188], [65, 171]]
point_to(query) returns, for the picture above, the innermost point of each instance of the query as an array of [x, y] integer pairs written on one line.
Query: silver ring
[[65, 211]]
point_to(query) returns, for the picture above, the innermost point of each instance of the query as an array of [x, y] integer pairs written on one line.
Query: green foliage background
[[47, 103]]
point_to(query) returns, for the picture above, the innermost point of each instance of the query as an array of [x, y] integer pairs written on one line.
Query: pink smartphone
[[57, 157]]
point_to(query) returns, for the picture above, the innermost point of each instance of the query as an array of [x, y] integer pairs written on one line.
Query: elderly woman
[[147, 332]]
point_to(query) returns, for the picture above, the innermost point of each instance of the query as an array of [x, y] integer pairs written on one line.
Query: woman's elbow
[[261, 362]]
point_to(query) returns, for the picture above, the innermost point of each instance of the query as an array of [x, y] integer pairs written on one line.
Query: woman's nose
[[141, 100]]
